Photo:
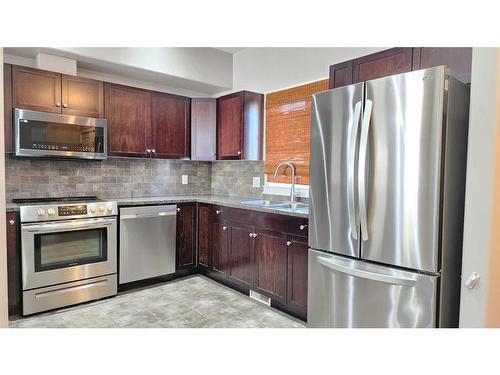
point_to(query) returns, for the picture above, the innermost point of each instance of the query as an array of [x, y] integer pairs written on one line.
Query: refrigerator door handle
[[351, 189], [387, 279], [363, 150]]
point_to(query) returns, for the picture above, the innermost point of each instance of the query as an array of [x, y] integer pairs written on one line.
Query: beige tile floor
[[193, 302]]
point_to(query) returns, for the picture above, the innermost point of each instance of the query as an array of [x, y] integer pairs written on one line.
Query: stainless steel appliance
[[68, 250], [388, 160], [147, 242], [41, 134]]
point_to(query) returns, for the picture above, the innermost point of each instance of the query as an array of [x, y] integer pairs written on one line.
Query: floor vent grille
[[260, 298]]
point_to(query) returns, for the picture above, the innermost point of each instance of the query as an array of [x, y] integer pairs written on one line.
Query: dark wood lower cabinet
[[240, 246], [203, 235], [186, 236], [270, 265], [218, 248], [13, 263], [296, 295]]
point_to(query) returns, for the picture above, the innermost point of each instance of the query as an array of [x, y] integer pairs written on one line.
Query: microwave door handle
[[357, 272], [363, 150], [351, 171]]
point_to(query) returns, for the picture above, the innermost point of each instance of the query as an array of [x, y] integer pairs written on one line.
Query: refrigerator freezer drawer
[[350, 293]]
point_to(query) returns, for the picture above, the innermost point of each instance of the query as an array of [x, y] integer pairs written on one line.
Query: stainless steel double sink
[[278, 205]]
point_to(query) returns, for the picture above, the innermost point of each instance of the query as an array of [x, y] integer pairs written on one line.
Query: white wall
[[483, 155], [3, 249], [269, 69]]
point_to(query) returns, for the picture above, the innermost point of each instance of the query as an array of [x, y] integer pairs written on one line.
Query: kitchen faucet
[[292, 167]]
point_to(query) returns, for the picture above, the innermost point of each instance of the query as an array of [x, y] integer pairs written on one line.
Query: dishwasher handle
[[145, 216]]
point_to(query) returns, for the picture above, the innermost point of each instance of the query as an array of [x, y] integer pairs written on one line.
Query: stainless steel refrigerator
[[387, 182]]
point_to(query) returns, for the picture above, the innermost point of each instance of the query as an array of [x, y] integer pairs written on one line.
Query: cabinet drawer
[[237, 215], [298, 226], [273, 222]]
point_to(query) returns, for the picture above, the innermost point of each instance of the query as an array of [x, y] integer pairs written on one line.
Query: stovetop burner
[[88, 198]]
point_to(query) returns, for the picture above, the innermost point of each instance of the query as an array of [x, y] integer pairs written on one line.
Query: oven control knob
[[51, 211], [102, 209], [93, 210], [40, 212], [109, 210]]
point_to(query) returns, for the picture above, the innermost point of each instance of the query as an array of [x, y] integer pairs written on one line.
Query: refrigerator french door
[[387, 176]]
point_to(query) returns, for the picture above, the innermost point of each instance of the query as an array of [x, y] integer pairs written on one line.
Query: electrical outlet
[[256, 182], [184, 179]]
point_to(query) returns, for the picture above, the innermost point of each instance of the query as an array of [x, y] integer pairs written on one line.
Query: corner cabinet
[[240, 126], [41, 90], [203, 129]]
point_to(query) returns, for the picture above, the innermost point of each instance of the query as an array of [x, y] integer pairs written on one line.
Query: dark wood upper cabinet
[[270, 265], [341, 74], [240, 126], [218, 248], [82, 97], [296, 295], [128, 112], [203, 128], [459, 60], [203, 234], [35, 89], [240, 246], [382, 64], [7, 106], [186, 236], [170, 126], [13, 263]]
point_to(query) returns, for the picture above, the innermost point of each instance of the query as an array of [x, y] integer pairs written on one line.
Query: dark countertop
[[210, 199]]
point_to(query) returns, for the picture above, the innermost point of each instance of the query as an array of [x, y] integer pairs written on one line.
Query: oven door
[[65, 251]]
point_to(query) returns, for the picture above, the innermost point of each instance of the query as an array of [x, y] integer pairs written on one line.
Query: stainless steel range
[[69, 251]]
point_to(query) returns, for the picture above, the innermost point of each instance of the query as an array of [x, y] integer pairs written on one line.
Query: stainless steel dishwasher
[[147, 242]]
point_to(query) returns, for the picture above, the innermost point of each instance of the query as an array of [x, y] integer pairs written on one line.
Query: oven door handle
[[68, 225]]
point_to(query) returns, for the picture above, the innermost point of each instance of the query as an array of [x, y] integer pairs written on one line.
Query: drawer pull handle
[[218, 212], [302, 227], [289, 243]]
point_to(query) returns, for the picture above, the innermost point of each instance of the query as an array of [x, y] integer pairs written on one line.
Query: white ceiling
[[232, 50]]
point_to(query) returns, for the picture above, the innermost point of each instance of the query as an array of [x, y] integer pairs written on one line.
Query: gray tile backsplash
[[233, 178], [114, 177]]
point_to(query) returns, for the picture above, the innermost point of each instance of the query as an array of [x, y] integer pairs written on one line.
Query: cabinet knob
[[65, 105], [217, 212], [153, 151], [178, 210], [12, 222], [302, 227], [252, 235], [239, 152], [213, 153], [224, 227], [288, 243], [58, 104]]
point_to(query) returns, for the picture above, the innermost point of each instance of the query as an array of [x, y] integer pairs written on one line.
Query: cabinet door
[[241, 247], [203, 234], [230, 127], [186, 240], [35, 89], [82, 97], [128, 112], [381, 64], [296, 296], [219, 248], [271, 264], [203, 129], [7, 106], [170, 126], [341, 74], [13, 263], [459, 60]]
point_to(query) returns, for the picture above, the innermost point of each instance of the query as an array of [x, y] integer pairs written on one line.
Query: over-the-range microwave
[[42, 134]]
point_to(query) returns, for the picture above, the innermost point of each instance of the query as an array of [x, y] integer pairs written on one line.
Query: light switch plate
[[256, 182], [184, 179]]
